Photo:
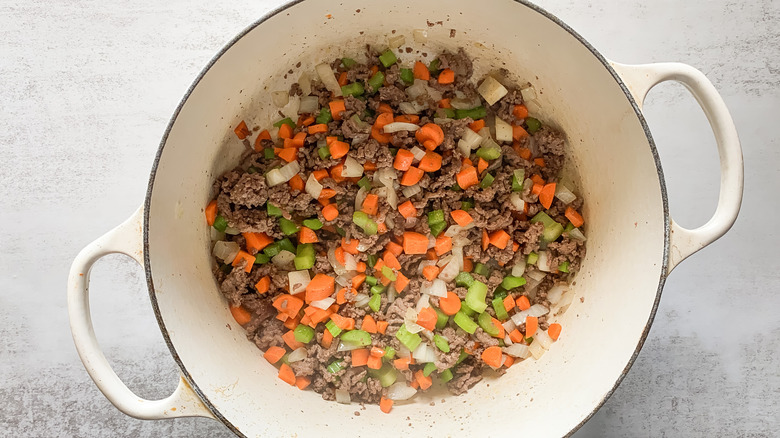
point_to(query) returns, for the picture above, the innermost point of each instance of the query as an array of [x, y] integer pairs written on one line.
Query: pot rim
[[654, 151]]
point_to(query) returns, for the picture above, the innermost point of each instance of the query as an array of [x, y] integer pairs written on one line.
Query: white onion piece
[[424, 353], [385, 176], [555, 293], [283, 174], [215, 235], [464, 103], [468, 141], [543, 339], [453, 230], [509, 325], [517, 350], [577, 234], [420, 35], [507, 340], [328, 78], [503, 130], [392, 201], [391, 293], [344, 279], [348, 347], [413, 327], [491, 90], [337, 267], [342, 396], [309, 105], [404, 352], [537, 310], [389, 221], [226, 251], [291, 109], [488, 142], [444, 260], [400, 391], [428, 334], [517, 201], [408, 108], [536, 350], [305, 82], [528, 92], [536, 275], [313, 187], [484, 133], [298, 280], [323, 303], [400, 126], [349, 262], [297, 355], [423, 302], [519, 269], [352, 169], [544, 261], [363, 245], [527, 184], [360, 196], [280, 98], [423, 264], [410, 316], [232, 231], [436, 288], [449, 272], [417, 152], [564, 194], [519, 317], [417, 89], [284, 260], [411, 190], [396, 41], [566, 300], [431, 242], [362, 300]]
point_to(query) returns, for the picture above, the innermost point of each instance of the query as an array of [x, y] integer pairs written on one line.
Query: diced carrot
[[288, 154], [369, 324], [343, 322], [515, 336], [447, 76], [289, 339], [302, 382], [256, 241], [339, 253], [424, 381], [338, 149], [420, 71], [374, 69], [477, 125], [288, 304], [468, 265], [327, 338], [321, 286], [414, 384], [285, 131], [350, 246], [385, 405], [263, 285], [412, 176], [524, 153], [291, 323], [383, 119], [368, 166], [242, 131], [384, 108], [320, 174], [318, 128], [461, 217], [263, 135], [430, 136], [241, 315], [286, 374], [336, 108], [467, 161], [211, 212], [520, 111], [499, 238], [485, 240], [431, 254], [523, 303], [574, 217], [330, 212], [407, 118], [401, 281], [249, 258], [537, 189], [379, 135], [515, 246], [407, 209], [403, 159], [450, 304], [381, 227], [402, 363], [430, 272], [539, 162], [467, 177], [554, 330], [492, 356], [341, 296], [537, 179], [430, 162], [381, 326], [509, 303], [357, 280], [443, 245], [391, 261], [327, 193], [371, 204], [518, 133], [282, 317], [547, 195], [343, 80], [426, 318], [445, 103], [361, 266], [394, 248], [531, 325], [497, 324], [374, 362], [273, 354], [307, 235], [360, 357], [296, 183], [415, 243], [306, 121]]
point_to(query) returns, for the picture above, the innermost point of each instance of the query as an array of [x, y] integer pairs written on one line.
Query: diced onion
[[409, 108], [432, 243], [363, 245], [349, 262], [566, 300], [410, 316], [323, 303], [411, 190], [360, 196], [517, 201], [564, 194], [352, 169], [395, 42], [536, 275], [280, 98], [400, 126], [342, 396], [417, 89], [424, 353], [509, 325], [537, 310], [449, 272], [313, 187], [528, 92], [453, 230], [215, 235], [362, 300], [519, 269], [468, 141], [491, 90], [443, 261], [420, 35], [543, 263], [391, 292], [417, 152], [517, 350], [284, 260], [291, 109], [298, 281], [555, 293], [413, 327], [297, 355], [576, 234], [232, 231], [385, 176], [400, 391], [348, 347], [536, 350], [488, 142], [305, 82], [328, 78], [543, 339], [344, 279], [283, 174], [392, 201], [337, 267], [464, 103], [226, 251], [309, 105], [503, 130], [507, 340], [423, 302], [484, 132], [428, 334], [437, 288], [423, 264]]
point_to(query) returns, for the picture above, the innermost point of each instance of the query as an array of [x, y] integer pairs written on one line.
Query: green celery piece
[[518, 178], [464, 279], [286, 245], [532, 258], [335, 367], [475, 297], [441, 343], [220, 223], [376, 81], [463, 356], [324, 116], [435, 217], [464, 322], [466, 309], [375, 302], [441, 319], [314, 224], [386, 375], [569, 227], [487, 181], [359, 338], [387, 271], [323, 152], [407, 76], [445, 376], [489, 152], [362, 220], [482, 270], [475, 113], [371, 280], [252, 169], [354, 89], [389, 353], [429, 368], [333, 328], [437, 228], [226, 268], [272, 250], [486, 322], [305, 256], [303, 333], [261, 259], [510, 282], [377, 289], [552, 229], [364, 183], [268, 154], [564, 267], [498, 306], [388, 58], [466, 205], [434, 66], [533, 124], [408, 339], [348, 62], [273, 210], [448, 112], [371, 260], [285, 121]]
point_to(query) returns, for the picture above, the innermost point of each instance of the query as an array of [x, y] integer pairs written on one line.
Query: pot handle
[[125, 239], [640, 79]]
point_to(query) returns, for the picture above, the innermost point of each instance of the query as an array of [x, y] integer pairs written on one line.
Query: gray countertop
[[87, 88]]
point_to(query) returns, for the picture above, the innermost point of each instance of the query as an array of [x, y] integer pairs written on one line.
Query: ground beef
[[243, 198]]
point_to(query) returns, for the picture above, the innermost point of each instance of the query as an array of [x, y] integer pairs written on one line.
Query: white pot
[[633, 243]]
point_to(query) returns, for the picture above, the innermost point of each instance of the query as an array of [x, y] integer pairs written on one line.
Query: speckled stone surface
[[87, 88]]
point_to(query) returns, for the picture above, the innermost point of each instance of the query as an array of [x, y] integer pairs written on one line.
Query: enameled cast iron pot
[[633, 243]]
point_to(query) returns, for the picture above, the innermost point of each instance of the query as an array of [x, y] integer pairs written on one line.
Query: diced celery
[[387, 58], [362, 220], [441, 343], [305, 256], [375, 302], [272, 249], [445, 376], [475, 113], [464, 322], [377, 289], [475, 297], [498, 306], [532, 259], [429, 368], [386, 375], [261, 259], [288, 227], [489, 152], [463, 356], [303, 333], [364, 183], [285, 121], [324, 116], [323, 152], [533, 124], [466, 309], [371, 280], [354, 89], [273, 210], [268, 153], [437, 228], [376, 81], [518, 178], [466, 205], [435, 217], [371, 260], [220, 223], [356, 338], [487, 181], [511, 282], [313, 224], [482, 270], [335, 367], [434, 66], [348, 62], [408, 339], [564, 267], [486, 322], [332, 328], [387, 271], [464, 279], [389, 353], [407, 75], [441, 319], [286, 245]]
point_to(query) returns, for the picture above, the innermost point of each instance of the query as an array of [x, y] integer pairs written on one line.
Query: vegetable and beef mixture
[[410, 226]]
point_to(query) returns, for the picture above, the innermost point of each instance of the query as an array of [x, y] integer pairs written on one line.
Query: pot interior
[[610, 155]]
